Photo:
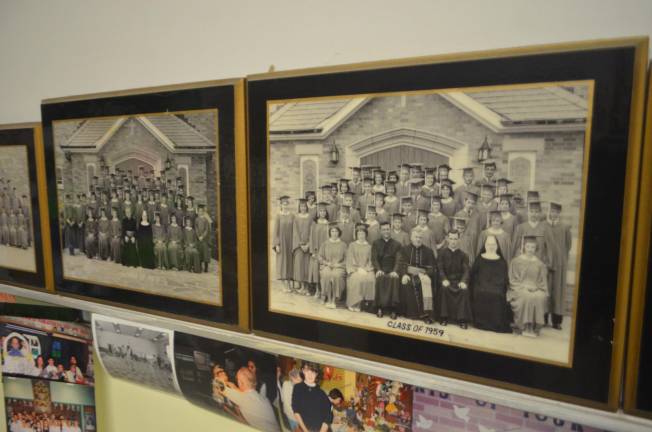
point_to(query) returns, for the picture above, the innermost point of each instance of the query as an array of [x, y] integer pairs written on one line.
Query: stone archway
[[450, 150]]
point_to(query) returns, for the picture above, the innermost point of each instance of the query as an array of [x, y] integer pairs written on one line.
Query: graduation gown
[[410, 221], [391, 205], [528, 290], [159, 236], [562, 241], [4, 228], [424, 198], [203, 230], [69, 227], [488, 284], [413, 303], [301, 237], [282, 241], [364, 201], [318, 235], [190, 251], [361, 283], [103, 238], [543, 235], [90, 238], [460, 194], [347, 231], [175, 247], [453, 266], [332, 260], [448, 207], [382, 215], [439, 225], [373, 232], [509, 224], [115, 232], [384, 257], [400, 236]]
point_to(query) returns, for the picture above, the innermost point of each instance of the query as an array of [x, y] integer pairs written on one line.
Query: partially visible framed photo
[[145, 200], [25, 258], [638, 383], [449, 213]]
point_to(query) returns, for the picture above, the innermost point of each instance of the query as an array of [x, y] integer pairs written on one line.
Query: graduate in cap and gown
[[453, 267], [417, 269], [366, 198], [438, 224], [129, 253], [145, 241], [348, 202], [428, 190], [311, 203], [103, 235], [409, 214], [342, 188], [160, 238], [540, 231], [378, 177], [346, 225], [203, 230], [562, 241], [318, 235], [373, 224], [488, 284], [489, 171], [502, 188], [381, 214], [467, 241], [468, 175], [484, 205], [332, 267], [384, 258], [472, 223], [403, 185], [190, 247], [90, 234], [175, 244], [302, 226], [355, 184], [507, 213], [448, 204], [361, 279], [115, 235], [528, 289], [392, 203], [397, 232], [282, 242], [329, 199], [426, 233]]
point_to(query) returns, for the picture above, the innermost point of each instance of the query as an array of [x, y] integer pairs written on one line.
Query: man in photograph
[[562, 241], [384, 252], [255, 408], [417, 268], [453, 266]]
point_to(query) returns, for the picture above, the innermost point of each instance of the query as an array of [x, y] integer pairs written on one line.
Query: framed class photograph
[[145, 199], [24, 227], [453, 213], [638, 383]]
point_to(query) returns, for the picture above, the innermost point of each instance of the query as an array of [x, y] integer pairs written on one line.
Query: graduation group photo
[[453, 216], [137, 199], [16, 233]]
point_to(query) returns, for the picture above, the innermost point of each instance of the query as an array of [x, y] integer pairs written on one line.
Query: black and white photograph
[[228, 379], [16, 232], [453, 216], [28, 351], [138, 202], [135, 352]]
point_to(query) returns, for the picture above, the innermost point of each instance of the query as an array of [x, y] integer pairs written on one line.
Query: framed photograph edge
[[640, 45], [242, 324], [640, 269], [42, 198]]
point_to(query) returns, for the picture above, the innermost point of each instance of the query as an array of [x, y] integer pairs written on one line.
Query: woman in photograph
[[489, 282], [13, 228], [426, 232], [159, 236], [496, 230], [318, 235], [4, 226], [379, 181], [90, 235], [448, 204], [428, 190], [15, 357], [145, 242], [343, 189], [139, 205], [175, 244], [392, 202], [115, 234], [302, 225], [22, 233], [311, 406], [129, 255], [506, 212], [104, 235], [361, 283], [190, 250], [528, 289], [332, 258], [438, 223], [282, 243], [39, 367], [287, 389]]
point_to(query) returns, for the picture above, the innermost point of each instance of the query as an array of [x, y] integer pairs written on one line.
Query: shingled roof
[[171, 130]]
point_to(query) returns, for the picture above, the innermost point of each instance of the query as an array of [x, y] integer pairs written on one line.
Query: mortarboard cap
[[390, 184], [534, 205], [430, 171], [503, 181], [323, 204], [361, 225], [530, 238], [326, 186], [447, 182], [471, 195], [532, 196], [489, 163], [366, 180], [282, 198], [459, 221], [505, 197], [371, 209], [468, 169], [445, 167], [398, 216], [345, 209], [406, 199], [310, 193], [486, 187], [349, 193], [355, 169], [555, 206], [422, 212], [381, 194], [345, 180]]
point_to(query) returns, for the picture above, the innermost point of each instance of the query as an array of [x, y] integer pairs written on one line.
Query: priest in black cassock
[[453, 265], [417, 268], [384, 253]]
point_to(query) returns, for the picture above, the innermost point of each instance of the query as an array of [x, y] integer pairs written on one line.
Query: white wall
[[65, 47]]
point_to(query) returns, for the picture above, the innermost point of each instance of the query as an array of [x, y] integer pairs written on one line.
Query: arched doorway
[[390, 158], [134, 165]]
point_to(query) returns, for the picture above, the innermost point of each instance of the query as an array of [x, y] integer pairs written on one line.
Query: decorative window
[[522, 170], [309, 174]]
